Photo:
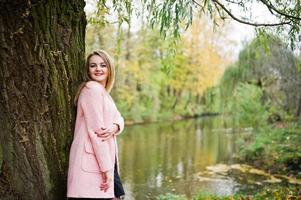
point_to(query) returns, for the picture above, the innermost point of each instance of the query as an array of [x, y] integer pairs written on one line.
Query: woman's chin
[[98, 79]]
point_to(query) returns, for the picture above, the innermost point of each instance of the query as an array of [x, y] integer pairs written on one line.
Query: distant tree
[[272, 67]]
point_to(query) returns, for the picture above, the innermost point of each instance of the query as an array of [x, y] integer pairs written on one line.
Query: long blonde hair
[[111, 74]]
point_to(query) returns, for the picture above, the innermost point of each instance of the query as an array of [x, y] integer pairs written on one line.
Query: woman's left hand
[[107, 132]]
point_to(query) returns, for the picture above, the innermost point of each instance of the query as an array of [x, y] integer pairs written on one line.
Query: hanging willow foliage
[[174, 16]]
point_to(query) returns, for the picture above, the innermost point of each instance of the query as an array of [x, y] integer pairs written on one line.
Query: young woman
[[93, 162]]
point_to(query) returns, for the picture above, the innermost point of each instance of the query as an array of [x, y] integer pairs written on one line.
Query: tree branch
[[219, 12], [246, 22], [270, 6], [234, 2], [198, 4]]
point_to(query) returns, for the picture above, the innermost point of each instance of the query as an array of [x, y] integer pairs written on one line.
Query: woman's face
[[98, 70]]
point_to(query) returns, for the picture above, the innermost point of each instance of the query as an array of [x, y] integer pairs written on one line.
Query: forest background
[[164, 76]]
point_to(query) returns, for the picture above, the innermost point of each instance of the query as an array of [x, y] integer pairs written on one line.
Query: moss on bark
[[41, 65]]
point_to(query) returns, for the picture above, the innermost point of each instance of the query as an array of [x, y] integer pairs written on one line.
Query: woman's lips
[[98, 74]]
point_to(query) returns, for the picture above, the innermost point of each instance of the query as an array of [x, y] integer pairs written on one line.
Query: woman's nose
[[98, 67]]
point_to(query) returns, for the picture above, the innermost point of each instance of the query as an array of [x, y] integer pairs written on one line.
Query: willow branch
[[272, 7], [198, 4], [219, 13], [247, 22], [234, 2]]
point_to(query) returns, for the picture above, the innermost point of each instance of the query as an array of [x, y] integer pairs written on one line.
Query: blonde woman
[[93, 162]]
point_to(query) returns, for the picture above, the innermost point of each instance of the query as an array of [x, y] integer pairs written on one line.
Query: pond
[[186, 157], [161, 158]]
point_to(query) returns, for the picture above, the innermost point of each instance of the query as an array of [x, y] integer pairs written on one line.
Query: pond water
[[187, 157], [168, 157]]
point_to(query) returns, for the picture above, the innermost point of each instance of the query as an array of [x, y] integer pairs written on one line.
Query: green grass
[[275, 148]]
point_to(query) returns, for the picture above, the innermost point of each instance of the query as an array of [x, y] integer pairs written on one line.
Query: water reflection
[[164, 157]]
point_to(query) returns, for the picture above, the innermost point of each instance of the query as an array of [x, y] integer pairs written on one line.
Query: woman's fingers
[[111, 129], [104, 186], [106, 133], [101, 131], [106, 137], [105, 181]]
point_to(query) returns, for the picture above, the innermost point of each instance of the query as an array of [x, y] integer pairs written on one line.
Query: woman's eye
[[92, 65], [103, 65]]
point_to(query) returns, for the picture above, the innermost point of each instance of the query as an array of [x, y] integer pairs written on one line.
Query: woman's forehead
[[96, 59]]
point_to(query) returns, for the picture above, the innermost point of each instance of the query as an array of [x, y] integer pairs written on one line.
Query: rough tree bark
[[41, 56]]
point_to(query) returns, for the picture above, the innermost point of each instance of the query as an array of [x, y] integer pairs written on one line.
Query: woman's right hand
[[107, 132], [106, 179]]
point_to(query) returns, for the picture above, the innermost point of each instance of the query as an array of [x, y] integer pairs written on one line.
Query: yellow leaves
[[134, 70], [195, 62], [199, 65]]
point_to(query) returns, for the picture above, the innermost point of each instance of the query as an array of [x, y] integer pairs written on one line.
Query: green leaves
[[168, 15], [248, 106]]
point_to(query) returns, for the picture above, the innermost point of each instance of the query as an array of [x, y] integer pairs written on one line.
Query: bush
[[247, 107]]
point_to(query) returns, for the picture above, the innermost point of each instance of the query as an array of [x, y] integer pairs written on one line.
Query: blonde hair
[[111, 72]]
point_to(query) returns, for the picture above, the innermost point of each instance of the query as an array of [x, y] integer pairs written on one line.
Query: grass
[[275, 148]]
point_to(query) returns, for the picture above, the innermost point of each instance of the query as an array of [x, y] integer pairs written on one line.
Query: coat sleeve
[[119, 121], [92, 105]]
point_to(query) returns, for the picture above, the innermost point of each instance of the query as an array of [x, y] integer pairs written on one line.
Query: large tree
[[41, 56]]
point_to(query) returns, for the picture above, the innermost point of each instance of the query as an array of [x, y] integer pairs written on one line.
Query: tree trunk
[[128, 39], [41, 56]]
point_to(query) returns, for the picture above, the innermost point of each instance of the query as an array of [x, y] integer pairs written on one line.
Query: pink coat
[[89, 154]]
